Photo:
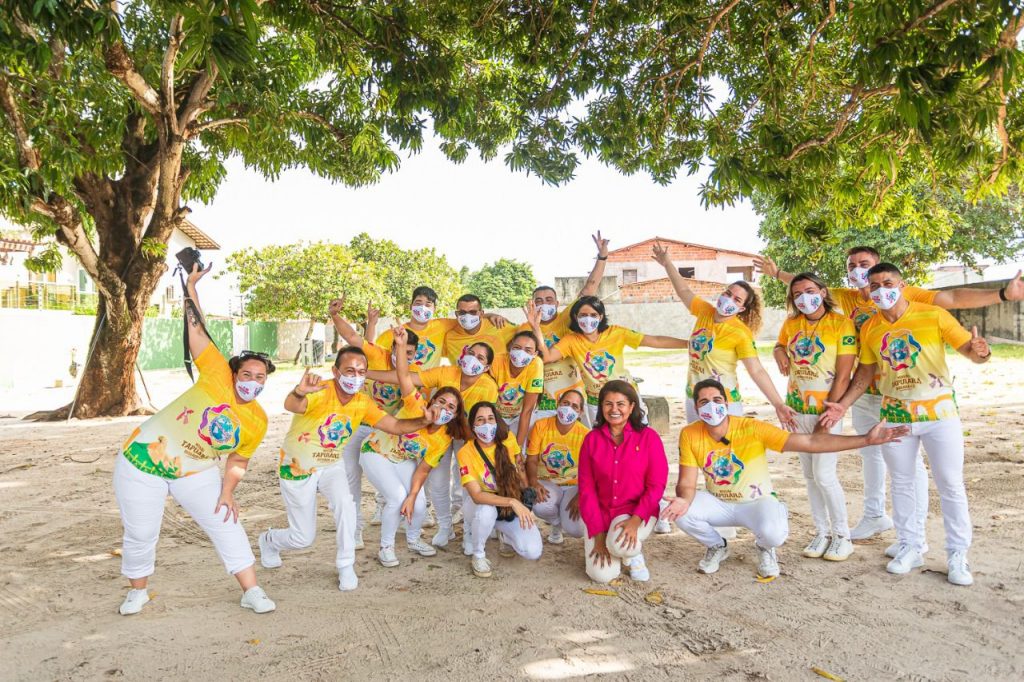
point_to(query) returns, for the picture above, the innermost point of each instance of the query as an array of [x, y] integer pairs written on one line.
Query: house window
[[746, 273], [629, 276], [689, 273]]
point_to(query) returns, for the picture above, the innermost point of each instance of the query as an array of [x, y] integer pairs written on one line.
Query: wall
[[1003, 321], [291, 334], [568, 288], [36, 345], [162, 346], [709, 263]]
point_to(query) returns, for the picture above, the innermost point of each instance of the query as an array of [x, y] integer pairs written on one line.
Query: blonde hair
[[826, 298], [751, 315]]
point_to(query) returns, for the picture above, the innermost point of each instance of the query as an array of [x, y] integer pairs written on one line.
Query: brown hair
[[751, 315], [864, 249], [826, 298], [506, 476], [457, 427], [636, 417]]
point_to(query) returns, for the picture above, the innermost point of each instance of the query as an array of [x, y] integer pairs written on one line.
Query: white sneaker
[[662, 527], [839, 549], [134, 602], [713, 558], [870, 526], [269, 556], [906, 559], [555, 536], [767, 563], [359, 540], [422, 548], [481, 567], [442, 537], [892, 550], [959, 571], [375, 521], [429, 521], [637, 568], [347, 579], [815, 549], [387, 557], [257, 600], [456, 516]]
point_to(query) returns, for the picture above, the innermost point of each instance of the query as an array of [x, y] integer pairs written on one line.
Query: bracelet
[[296, 394], [1002, 295], [606, 258]]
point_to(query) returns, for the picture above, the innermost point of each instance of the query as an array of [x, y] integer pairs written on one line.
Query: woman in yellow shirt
[[520, 378]]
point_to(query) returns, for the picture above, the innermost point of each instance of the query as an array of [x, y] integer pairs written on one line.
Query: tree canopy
[[399, 271], [505, 283]]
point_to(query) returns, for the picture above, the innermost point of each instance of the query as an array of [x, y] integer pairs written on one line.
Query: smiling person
[[816, 349], [327, 414], [904, 346], [175, 452], [520, 378], [622, 475]]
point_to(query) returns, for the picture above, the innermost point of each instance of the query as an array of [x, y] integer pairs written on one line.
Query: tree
[[503, 284], [402, 270]]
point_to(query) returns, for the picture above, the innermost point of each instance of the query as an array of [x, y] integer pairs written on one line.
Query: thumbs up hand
[[979, 346]]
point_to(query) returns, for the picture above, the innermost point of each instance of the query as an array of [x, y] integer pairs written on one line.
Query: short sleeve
[[446, 323], [687, 457], [952, 331], [698, 306], [433, 378], [867, 354], [372, 414], [505, 334], [512, 445], [248, 449], [632, 338], [213, 367], [771, 436], [413, 402], [386, 339], [376, 357], [534, 442], [316, 401], [534, 380], [745, 345], [463, 456], [566, 345], [919, 295], [783, 339], [847, 333]]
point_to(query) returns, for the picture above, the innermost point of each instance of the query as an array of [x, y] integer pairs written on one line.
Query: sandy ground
[[431, 619]]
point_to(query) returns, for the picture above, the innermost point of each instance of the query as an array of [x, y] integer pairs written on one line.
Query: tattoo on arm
[[193, 318]]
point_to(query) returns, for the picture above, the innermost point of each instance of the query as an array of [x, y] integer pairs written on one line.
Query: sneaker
[[959, 571], [505, 548], [359, 540], [257, 600], [816, 548], [892, 550], [713, 558], [422, 548], [442, 537], [662, 527], [347, 579], [375, 521], [456, 516], [269, 556], [429, 521], [839, 549], [637, 568], [387, 558], [906, 559], [134, 602], [555, 536], [481, 567], [767, 563], [870, 526]]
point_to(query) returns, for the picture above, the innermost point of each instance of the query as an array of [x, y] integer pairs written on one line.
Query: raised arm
[[401, 347], [198, 340], [953, 299], [533, 319], [346, 330], [372, 318], [683, 290], [767, 266], [390, 376], [295, 402], [757, 372], [593, 283]]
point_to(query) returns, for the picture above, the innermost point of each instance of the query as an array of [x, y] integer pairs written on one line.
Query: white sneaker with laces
[[421, 548], [257, 600], [907, 558], [387, 557], [815, 549], [958, 570], [839, 549], [481, 567], [870, 526], [347, 579], [555, 536], [456, 516], [662, 527], [767, 563], [892, 550], [713, 558], [429, 521], [134, 602], [269, 557], [442, 537], [359, 540], [638, 570]]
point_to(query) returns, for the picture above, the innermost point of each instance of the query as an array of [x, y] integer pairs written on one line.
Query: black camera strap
[[188, 303]]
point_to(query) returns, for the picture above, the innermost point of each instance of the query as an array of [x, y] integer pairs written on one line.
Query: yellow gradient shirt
[[429, 350], [813, 348], [458, 339], [716, 348], [559, 376], [199, 426], [737, 472], [602, 360], [388, 397], [558, 453], [317, 437], [512, 390], [910, 355], [483, 390], [472, 467], [414, 446]]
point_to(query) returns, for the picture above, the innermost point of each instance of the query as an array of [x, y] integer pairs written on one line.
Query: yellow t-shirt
[[559, 453], [716, 348], [418, 445], [387, 396], [483, 390], [910, 355], [559, 376], [602, 360], [512, 390], [472, 467], [813, 348], [199, 426], [737, 472], [429, 350], [457, 339], [317, 437]]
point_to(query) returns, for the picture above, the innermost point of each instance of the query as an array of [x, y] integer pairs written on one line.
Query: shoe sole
[[889, 570], [836, 557], [960, 584], [813, 555], [253, 608], [559, 541], [423, 552], [481, 574], [872, 534], [708, 571], [923, 552], [389, 564]]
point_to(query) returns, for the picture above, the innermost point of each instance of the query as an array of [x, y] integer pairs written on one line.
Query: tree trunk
[[309, 333]]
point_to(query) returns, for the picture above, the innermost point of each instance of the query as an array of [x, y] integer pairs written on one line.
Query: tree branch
[[119, 63], [28, 156], [338, 133], [196, 128], [196, 102], [174, 39], [857, 97], [815, 35]]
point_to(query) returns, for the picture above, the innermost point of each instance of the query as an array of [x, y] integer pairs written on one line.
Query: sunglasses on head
[[245, 354]]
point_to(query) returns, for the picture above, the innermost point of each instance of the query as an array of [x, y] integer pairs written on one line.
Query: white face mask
[[471, 365], [566, 415], [726, 306], [808, 304], [588, 323], [712, 413], [468, 321], [885, 297], [248, 390], [444, 416], [858, 277], [485, 432], [519, 357], [422, 313], [547, 312], [351, 385]]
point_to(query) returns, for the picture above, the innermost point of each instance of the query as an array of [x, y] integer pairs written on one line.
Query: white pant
[[393, 480], [866, 414], [735, 409], [483, 518], [355, 472], [555, 509], [825, 493], [766, 518], [141, 496], [943, 440], [439, 490], [606, 574], [300, 502]]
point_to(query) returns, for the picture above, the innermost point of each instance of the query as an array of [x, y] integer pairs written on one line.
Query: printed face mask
[[808, 304], [547, 312], [566, 415], [858, 277], [726, 306], [885, 297], [248, 390], [485, 432], [519, 357], [444, 416], [422, 313], [712, 414], [351, 385], [471, 366], [468, 321], [588, 323]]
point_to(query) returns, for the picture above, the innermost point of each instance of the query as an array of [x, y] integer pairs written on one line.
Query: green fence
[[162, 344], [263, 337]]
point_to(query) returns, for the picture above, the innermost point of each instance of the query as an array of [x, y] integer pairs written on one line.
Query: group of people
[[543, 421]]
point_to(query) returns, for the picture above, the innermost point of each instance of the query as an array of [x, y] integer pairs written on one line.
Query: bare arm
[[198, 340], [686, 490], [405, 383], [683, 290], [533, 318], [400, 427], [651, 341], [593, 282], [390, 376], [834, 411], [295, 402], [419, 477], [346, 330], [757, 372], [827, 442], [481, 496], [372, 317], [529, 405], [844, 370], [234, 470], [976, 350], [781, 359]]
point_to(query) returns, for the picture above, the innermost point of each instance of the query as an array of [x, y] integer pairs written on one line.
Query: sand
[[431, 619]]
